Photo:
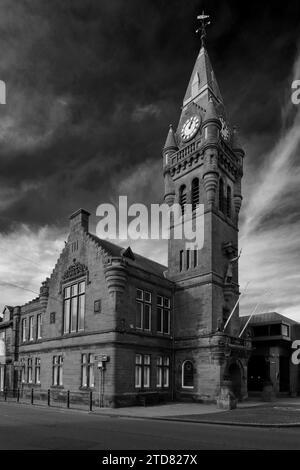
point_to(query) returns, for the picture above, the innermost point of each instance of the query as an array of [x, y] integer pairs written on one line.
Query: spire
[[203, 82], [171, 140]]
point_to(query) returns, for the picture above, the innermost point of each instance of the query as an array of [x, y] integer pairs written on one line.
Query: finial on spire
[[204, 23]]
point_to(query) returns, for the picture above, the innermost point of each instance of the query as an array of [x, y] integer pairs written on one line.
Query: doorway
[[257, 373]]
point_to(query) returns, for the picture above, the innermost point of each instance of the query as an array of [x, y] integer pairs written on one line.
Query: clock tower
[[203, 164]]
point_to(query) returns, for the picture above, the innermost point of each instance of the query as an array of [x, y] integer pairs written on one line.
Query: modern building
[[130, 329]]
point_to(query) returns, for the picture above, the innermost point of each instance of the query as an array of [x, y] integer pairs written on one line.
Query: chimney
[[80, 220]]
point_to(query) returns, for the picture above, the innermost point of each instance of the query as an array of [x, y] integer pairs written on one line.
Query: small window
[[52, 317], [97, 306], [139, 294], [285, 330], [187, 374]]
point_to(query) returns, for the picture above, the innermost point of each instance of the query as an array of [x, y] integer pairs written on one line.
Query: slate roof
[[269, 317], [139, 261]]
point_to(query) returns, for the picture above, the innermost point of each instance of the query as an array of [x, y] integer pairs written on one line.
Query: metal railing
[[85, 400]]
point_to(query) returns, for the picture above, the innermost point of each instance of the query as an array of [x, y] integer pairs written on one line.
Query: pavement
[[284, 412]]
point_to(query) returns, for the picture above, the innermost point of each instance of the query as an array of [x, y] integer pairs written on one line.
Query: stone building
[[128, 328]]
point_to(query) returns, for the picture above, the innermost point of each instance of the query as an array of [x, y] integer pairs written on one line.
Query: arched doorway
[[257, 373], [234, 372]]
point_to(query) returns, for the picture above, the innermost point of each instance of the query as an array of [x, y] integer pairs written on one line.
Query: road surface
[[33, 427]]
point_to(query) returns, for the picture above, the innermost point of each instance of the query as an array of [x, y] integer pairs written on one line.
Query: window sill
[[57, 387], [87, 389]]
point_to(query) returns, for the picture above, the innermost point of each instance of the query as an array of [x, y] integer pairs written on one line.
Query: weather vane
[[204, 22]]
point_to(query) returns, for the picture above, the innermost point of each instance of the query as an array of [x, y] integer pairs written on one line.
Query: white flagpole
[[236, 304], [256, 307]]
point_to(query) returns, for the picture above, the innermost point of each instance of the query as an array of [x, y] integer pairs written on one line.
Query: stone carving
[[229, 272], [75, 270]]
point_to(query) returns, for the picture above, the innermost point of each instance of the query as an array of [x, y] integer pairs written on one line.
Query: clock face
[[225, 132], [190, 128]]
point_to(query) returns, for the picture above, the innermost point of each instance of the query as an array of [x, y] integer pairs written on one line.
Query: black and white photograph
[[149, 228]]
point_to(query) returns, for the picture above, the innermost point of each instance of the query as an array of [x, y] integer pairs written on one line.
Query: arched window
[[221, 195], [195, 193], [228, 202], [187, 374], [182, 197]]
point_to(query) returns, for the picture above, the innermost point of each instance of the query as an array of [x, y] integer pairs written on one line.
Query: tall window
[[188, 259], [228, 202], [39, 326], [163, 314], [142, 370], [182, 197], [195, 258], [195, 193], [29, 370], [24, 329], [23, 371], [221, 195], [187, 374], [30, 328], [87, 370], [57, 371], [74, 307], [37, 370], [143, 314], [181, 260], [163, 371]]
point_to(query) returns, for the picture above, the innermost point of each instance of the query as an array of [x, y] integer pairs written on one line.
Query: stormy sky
[[92, 86]]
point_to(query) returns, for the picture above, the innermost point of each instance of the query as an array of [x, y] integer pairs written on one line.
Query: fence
[[51, 397]]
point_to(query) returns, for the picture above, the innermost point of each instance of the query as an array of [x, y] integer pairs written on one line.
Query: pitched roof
[[269, 317], [171, 140], [139, 261], [202, 79]]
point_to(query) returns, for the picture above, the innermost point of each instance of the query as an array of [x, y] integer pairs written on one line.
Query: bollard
[[68, 399], [91, 401], [5, 394], [48, 397], [31, 396], [18, 395]]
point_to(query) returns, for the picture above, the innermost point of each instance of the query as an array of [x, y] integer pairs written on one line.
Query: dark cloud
[[92, 87]]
